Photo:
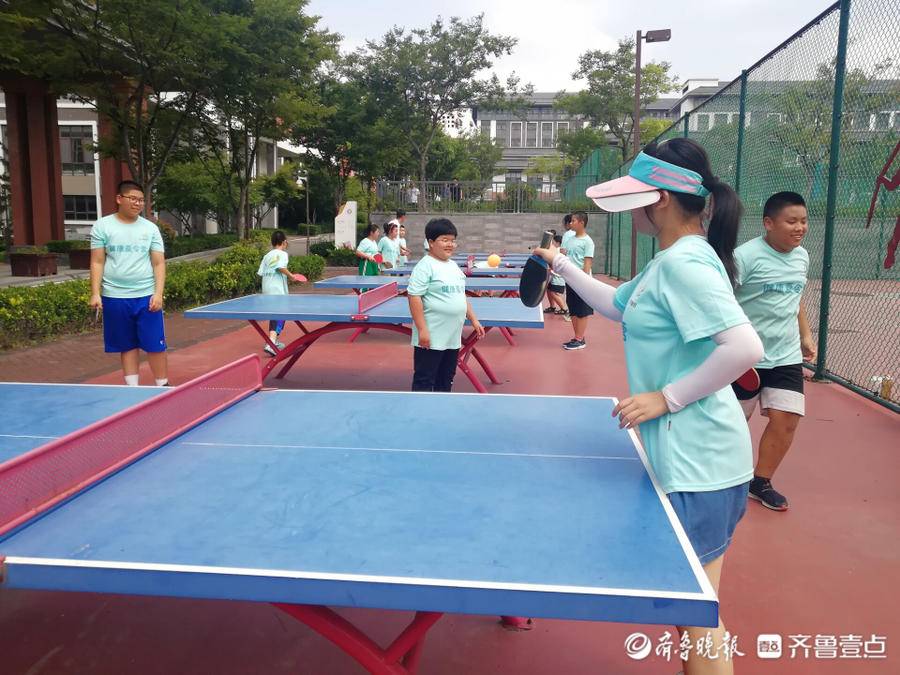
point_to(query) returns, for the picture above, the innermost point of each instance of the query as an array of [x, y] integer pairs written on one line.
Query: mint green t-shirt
[[670, 311], [566, 236], [127, 272], [273, 281], [769, 288], [442, 287], [390, 250], [579, 248], [368, 247]]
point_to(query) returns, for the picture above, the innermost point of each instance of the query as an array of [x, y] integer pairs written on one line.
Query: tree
[[482, 154], [186, 189], [576, 146], [271, 190], [608, 101], [265, 89], [419, 76], [804, 108], [652, 127], [141, 65]]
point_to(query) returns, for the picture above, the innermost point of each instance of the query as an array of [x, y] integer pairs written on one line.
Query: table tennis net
[[39, 479]]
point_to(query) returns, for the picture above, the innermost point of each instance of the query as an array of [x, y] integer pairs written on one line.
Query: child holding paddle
[[439, 308], [273, 269], [367, 252], [771, 276], [686, 339]]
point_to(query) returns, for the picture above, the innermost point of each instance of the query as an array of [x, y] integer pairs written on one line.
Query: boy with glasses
[[128, 275]]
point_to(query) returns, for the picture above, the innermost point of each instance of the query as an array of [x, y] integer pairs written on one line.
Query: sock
[[132, 380], [163, 382]]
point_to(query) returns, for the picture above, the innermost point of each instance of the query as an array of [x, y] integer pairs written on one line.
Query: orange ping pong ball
[[493, 260]]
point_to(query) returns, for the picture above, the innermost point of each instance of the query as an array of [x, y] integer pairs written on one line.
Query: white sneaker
[[268, 350]]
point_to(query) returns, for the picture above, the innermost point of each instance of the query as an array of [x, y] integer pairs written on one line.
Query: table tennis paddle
[[379, 258], [749, 381], [535, 276], [298, 277]]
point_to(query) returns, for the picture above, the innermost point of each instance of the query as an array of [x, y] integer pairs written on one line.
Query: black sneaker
[[762, 491], [550, 310], [575, 344]]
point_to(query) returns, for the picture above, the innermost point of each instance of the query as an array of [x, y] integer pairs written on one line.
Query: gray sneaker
[[574, 344]]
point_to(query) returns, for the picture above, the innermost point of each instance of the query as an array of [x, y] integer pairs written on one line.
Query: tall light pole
[[651, 36]]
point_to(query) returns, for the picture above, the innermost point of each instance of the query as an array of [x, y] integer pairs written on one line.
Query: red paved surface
[[828, 566]]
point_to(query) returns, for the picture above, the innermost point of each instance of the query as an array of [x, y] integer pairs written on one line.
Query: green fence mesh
[[771, 130]]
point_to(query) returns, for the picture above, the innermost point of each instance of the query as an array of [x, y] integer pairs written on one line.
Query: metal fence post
[[833, 167], [742, 119]]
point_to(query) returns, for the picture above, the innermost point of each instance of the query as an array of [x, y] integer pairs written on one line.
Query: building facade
[[82, 180]]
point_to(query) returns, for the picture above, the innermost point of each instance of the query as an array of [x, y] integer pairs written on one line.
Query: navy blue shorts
[[709, 518], [129, 324]]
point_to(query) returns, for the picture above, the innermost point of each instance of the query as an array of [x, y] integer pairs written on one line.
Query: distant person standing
[[128, 276], [580, 250]]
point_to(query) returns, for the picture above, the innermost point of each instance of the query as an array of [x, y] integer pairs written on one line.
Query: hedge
[[39, 313], [198, 242], [343, 257]]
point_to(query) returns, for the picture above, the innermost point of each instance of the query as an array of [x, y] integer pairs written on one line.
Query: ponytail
[[725, 205], [722, 232]]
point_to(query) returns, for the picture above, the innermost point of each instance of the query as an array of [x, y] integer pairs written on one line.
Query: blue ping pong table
[[298, 498], [379, 308]]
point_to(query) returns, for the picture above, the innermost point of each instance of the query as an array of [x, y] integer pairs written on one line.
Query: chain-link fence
[[819, 115]]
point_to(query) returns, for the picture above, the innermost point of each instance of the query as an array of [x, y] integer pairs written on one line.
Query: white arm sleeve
[[598, 295], [737, 350]]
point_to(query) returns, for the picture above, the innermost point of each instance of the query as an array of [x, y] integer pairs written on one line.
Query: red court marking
[[34, 482]]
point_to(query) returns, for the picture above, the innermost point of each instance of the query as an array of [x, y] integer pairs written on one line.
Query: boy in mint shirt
[[580, 250], [439, 308], [769, 286], [128, 275], [273, 269]]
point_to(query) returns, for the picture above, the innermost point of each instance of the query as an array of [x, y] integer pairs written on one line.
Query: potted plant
[[32, 261], [77, 250]]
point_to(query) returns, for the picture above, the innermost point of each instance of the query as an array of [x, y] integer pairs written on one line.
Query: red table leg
[[400, 658]]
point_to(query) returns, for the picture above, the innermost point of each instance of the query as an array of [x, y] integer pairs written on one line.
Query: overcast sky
[[709, 40]]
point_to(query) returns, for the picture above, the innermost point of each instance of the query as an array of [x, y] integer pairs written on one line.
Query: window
[[515, 134], [75, 154], [502, 134], [561, 128], [773, 117], [882, 121], [896, 123], [702, 122], [547, 140], [720, 118], [80, 207], [486, 128], [531, 132]]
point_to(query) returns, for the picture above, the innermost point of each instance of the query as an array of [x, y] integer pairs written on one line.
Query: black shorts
[[577, 307], [559, 289], [780, 388]]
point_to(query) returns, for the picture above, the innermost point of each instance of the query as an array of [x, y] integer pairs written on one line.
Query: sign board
[[345, 226]]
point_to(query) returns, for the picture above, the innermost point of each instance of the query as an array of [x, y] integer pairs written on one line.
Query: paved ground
[[828, 567]]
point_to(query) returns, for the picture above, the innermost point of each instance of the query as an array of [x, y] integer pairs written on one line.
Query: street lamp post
[[651, 36], [304, 181]]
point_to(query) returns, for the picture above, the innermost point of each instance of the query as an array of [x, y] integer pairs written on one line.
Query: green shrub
[[323, 248], [343, 257], [310, 266], [66, 245], [198, 242], [35, 313], [29, 250]]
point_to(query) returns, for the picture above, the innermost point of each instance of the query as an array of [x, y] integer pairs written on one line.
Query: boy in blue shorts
[[275, 276], [771, 275], [439, 308], [128, 275]]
